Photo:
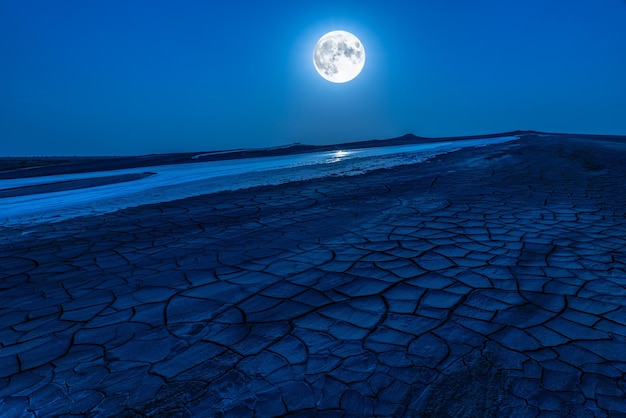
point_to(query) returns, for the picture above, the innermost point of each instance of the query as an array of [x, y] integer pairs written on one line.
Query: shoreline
[[66, 164]]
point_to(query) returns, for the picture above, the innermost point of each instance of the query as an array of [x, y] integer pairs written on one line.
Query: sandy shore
[[484, 282]]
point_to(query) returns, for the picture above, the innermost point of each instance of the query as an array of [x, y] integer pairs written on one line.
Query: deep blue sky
[[136, 77]]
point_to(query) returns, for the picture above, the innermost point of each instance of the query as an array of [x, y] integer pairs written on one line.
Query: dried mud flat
[[484, 282]]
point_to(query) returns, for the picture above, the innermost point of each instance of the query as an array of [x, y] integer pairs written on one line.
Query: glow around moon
[[339, 56]]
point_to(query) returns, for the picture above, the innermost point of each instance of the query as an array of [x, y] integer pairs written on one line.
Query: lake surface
[[178, 181]]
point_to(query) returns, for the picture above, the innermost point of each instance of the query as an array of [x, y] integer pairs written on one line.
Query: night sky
[[112, 77]]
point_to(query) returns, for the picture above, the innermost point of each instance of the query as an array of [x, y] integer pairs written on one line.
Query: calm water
[[172, 182]]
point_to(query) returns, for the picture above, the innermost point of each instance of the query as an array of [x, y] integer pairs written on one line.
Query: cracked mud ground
[[486, 282]]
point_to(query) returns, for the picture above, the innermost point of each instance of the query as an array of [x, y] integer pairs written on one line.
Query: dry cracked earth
[[485, 282]]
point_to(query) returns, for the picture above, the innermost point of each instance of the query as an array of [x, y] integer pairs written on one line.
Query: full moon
[[339, 56]]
